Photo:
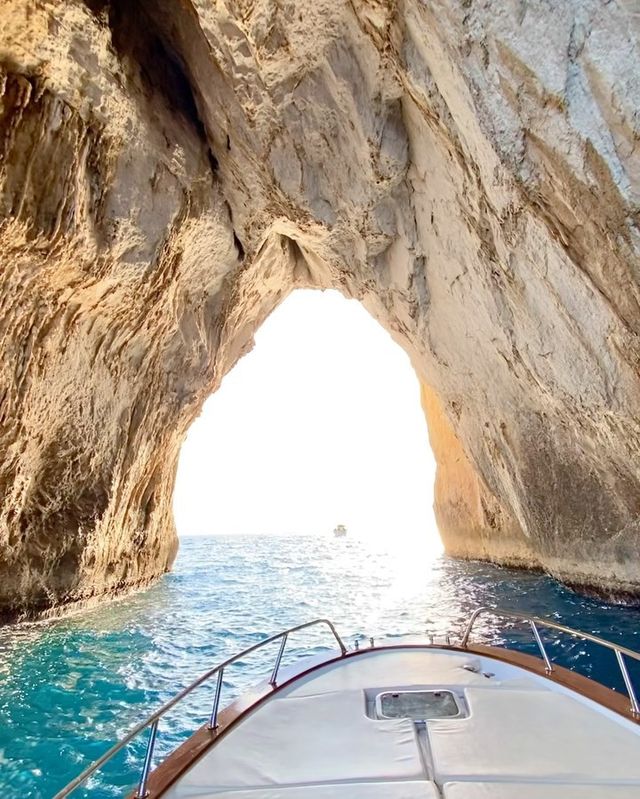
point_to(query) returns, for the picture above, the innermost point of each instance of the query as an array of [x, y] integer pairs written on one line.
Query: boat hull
[[183, 758]]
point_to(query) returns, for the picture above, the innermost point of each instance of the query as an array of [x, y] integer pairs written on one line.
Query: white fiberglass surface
[[403, 667]]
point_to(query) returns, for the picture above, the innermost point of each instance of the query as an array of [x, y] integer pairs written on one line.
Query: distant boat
[[340, 531]]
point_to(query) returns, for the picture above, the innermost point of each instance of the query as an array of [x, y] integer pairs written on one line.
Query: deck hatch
[[417, 705]]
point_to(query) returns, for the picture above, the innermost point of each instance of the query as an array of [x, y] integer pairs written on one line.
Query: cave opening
[[319, 424]]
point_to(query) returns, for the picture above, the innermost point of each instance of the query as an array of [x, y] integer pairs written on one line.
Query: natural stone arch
[[171, 171]]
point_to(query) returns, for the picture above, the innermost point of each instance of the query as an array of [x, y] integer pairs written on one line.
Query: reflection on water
[[70, 688]]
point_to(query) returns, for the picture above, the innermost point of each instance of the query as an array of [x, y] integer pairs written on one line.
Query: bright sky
[[320, 424]]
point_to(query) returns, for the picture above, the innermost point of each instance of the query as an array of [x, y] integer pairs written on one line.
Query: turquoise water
[[70, 688]]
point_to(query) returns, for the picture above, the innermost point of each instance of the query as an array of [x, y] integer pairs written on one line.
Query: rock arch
[[172, 170]]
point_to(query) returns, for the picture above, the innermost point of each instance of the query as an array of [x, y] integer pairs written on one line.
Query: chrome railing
[[534, 622], [153, 720]]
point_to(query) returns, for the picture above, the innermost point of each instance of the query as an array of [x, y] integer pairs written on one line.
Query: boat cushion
[[350, 790], [533, 735], [306, 740], [521, 790], [379, 669]]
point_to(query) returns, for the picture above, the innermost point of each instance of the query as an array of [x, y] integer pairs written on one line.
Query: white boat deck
[[520, 737]]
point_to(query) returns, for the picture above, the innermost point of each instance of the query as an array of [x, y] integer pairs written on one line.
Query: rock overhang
[[170, 172]]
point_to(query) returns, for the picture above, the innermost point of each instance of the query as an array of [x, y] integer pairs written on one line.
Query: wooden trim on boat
[[167, 772]]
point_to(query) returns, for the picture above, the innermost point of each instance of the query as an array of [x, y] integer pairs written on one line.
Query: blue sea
[[71, 688]]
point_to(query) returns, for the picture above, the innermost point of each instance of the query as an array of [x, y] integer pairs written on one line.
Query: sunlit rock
[[172, 170], [472, 522]]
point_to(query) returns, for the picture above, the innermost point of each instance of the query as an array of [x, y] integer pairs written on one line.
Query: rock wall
[[472, 522], [171, 169]]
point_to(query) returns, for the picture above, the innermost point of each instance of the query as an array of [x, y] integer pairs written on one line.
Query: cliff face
[[472, 522], [171, 169]]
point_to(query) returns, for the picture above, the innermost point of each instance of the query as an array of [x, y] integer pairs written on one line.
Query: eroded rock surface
[[172, 169]]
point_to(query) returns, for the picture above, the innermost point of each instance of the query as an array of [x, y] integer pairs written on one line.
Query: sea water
[[71, 688]]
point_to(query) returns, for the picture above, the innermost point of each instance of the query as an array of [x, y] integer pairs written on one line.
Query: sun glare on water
[[319, 425]]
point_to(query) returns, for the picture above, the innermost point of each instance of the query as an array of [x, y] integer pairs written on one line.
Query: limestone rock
[[171, 170], [472, 522]]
